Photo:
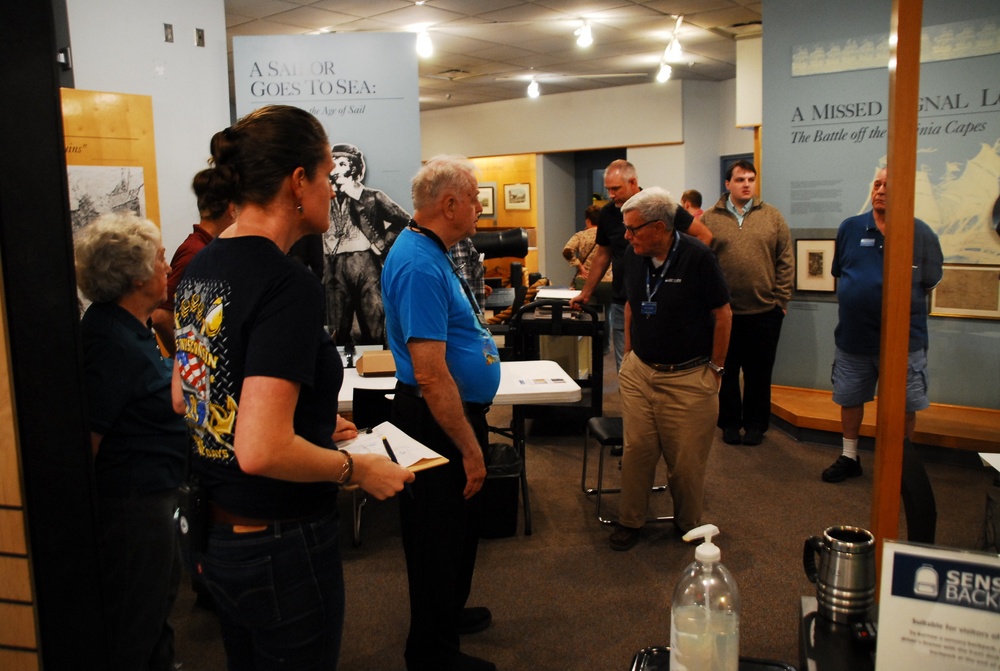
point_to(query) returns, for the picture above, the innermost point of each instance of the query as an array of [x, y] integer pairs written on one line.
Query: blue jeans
[[279, 594], [616, 322]]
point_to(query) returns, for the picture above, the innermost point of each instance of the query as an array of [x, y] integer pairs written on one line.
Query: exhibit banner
[[939, 609], [363, 87], [110, 155], [826, 88]]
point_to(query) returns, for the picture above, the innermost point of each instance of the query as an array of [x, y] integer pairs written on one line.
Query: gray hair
[[441, 174], [625, 169], [654, 204], [114, 251]]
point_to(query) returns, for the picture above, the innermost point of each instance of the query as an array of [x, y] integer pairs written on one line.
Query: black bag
[[192, 517]]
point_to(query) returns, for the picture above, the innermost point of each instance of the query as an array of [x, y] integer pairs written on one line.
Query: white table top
[[991, 458], [521, 382], [556, 293]]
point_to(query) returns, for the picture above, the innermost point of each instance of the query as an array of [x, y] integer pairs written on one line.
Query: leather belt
[[409, 389], [675, 367], [219, 515], [412, 390]]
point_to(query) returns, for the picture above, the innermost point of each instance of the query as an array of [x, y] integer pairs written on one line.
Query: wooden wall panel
[[18, 628], [12, 538], [15, 579], [18, 660], [10, 471]]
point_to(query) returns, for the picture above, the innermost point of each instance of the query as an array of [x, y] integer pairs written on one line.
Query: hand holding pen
[[392, 456]]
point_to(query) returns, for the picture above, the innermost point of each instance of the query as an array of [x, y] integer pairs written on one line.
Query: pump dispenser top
[[708, 551]]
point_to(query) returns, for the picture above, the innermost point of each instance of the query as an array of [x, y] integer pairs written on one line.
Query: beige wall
[[624, 116]]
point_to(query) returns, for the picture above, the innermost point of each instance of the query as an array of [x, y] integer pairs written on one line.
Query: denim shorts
[[855, 376]]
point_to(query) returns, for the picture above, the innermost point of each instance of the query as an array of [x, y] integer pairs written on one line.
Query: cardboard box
[[376, 363]]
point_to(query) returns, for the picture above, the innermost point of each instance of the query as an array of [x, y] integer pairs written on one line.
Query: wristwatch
[[719, 370]]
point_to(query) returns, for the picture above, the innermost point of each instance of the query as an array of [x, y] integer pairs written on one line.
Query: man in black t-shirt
[[621, 183], [677, 322]]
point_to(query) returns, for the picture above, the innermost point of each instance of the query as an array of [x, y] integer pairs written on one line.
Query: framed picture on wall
[[487, 198], [516, 197], [967, 291], [813, 260]]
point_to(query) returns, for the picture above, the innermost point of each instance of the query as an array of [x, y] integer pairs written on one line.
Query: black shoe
[[617, 450], [474, 620], [844, 467], [460, 662], [753, 437], [731, 436], [464, 662], [679, 533], [623, 538]]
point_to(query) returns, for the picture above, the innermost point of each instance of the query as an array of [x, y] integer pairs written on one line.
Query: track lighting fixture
[[664, 73], [533, 91], [425, 47], [673, 53], [584, 35]]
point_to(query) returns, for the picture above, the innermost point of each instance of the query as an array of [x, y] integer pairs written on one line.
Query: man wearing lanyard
[[677, 322], [447, 371], [858, 263], [621, 183]]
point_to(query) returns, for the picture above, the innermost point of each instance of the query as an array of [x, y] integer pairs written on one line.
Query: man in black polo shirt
[[677, 323], [621, 183]]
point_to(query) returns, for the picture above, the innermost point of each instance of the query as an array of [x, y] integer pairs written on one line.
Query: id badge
[[649, 308], [867, 242]]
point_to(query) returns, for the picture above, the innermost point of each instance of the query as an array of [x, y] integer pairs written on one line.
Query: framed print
[[517, 197], [967, 291], [487, 198], [813, 260]]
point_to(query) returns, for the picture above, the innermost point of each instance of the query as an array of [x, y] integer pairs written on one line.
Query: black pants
[[440, 531], [753, 344]]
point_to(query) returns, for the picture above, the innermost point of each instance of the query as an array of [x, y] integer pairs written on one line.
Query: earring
[[299, 208]]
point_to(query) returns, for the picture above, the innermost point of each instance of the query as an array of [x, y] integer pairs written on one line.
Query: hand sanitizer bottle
[[705, 611]]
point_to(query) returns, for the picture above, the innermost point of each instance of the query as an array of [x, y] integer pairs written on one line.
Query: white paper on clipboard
[[411, 453]]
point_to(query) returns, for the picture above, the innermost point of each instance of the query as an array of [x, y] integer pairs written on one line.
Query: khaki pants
[[668, 414]]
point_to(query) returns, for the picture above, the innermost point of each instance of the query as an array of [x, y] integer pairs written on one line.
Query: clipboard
[[411, 453]]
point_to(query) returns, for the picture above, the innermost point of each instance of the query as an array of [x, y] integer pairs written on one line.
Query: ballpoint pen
[[392, 455]]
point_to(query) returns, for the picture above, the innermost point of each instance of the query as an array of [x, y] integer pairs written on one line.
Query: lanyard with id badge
[[477, 311], [648, 307]]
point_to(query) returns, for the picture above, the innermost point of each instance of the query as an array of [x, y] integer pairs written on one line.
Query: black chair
[[554, 318], [371, 407], [608, 432]]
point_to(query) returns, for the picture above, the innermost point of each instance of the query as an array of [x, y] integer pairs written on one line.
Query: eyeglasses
[[633, 229]]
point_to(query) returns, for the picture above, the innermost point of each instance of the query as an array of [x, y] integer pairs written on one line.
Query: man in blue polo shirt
[[858, 262]]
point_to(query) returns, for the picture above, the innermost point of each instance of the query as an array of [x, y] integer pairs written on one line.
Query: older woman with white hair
[[137, 439]]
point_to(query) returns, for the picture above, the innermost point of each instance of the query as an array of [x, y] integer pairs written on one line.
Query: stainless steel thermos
[[845, 579]]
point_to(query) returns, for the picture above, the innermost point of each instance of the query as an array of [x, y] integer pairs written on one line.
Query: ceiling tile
[[478, 41]]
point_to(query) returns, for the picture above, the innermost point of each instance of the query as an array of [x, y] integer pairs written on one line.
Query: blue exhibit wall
[[826, 92]]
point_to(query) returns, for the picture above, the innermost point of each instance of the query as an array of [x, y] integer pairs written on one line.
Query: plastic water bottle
[[705, 612]]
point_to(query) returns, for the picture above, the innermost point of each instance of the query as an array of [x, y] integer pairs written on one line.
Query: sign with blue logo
[[939, 609]]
